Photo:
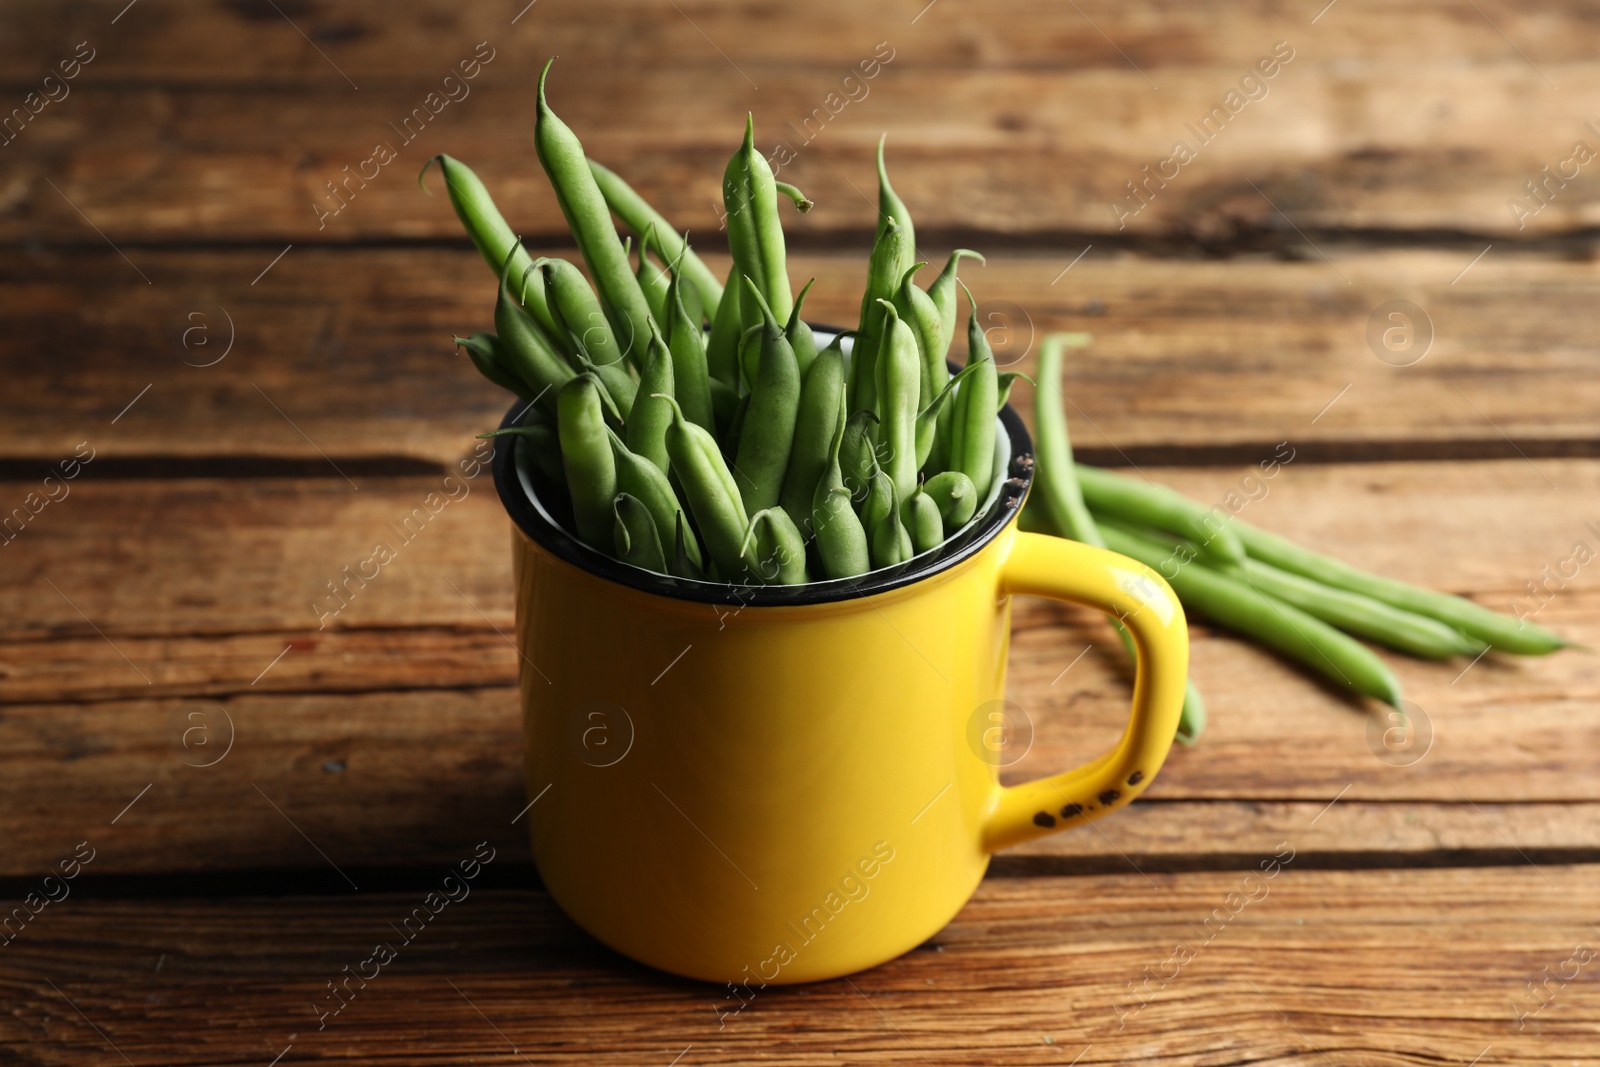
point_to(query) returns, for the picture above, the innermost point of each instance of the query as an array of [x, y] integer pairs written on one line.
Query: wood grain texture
[[406, 694], [1353, 968], [1422, 117], [345, 356]]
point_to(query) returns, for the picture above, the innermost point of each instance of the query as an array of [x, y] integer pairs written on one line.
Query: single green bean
[[972, 427], [528, 349], [943, 294], [1057, 486], [687, 342], [485, 352], [1005, 382], [916, 310], [774, 550], [891, 206], [891, 543], [642, 479], [1286, 629], [755, 234], [841, 539], [858, 455], [589, 218], [725, 403], [1518, 636], [709, 490], [768, 433], [920, 514], [722, 347], [634, 535], [899, 383], [1143, 503], [891, 256], [653, 280], [955, 496], [487, 228], [578, 314], [814, 424], [798, 331], [928, 420], [876, 507], [647, 425], [586, 458], [686, 553], [637, 214]]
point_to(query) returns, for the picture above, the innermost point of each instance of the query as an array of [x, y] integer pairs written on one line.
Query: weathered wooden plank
[[346, 354], [1355, 131], [1359, 968]]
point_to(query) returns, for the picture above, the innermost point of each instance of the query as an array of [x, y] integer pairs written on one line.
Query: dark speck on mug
[[1136, 777], [1044, 819], [1071, 811], [1109, 795]]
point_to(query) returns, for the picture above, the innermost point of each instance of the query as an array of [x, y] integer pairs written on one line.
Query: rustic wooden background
[[262, 396]]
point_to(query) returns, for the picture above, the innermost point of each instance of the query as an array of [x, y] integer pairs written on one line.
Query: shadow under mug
[[778, 784]]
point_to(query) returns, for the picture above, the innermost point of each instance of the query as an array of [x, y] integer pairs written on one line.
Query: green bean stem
[[586, 458], [589, 219], [637, 214], [814, 424], [634, 535], [768, 433]]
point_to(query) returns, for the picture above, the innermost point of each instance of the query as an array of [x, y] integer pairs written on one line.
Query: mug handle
[[1039, 565]]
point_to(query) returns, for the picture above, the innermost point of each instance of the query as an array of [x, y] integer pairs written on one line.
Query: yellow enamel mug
[[767, 785]]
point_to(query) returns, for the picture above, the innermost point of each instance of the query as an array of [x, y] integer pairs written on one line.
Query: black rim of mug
[[540, 524]]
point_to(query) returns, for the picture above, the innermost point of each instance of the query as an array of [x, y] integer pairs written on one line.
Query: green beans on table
[[528, 350], [891, 256], [637, 214], [647, 425], [762, 457], [920, 514], [634, 535], [586, 458], [972, 432], [1144, 504], [821, 400], [642, 479], [841, 539], [955, 496], [1057, 485], [899, 384], [1234, 605], [584, 325], [486, 355], [774, 549], [1519, 636], [561, 154], [709, 490], [798, 331], [687, 343], [487, 228]]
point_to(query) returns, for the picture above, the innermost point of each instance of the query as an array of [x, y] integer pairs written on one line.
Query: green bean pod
[[930, 417], [1145, 504], [774, 550], [486, 355], [972, 432], [578, 315], [647, 425], [821, 397], [589, 218], [642, 479], [891, 542], [943, 294], [1006, 380], [798, 331], [687, 343], [955, 496], [542, 443], [727, 329], [709, 490], [880, 501], [891, 256], [653, 280], [586, 458], [858, 454], [899, 384], [755, 234], [891, 206], [637, 214], [917, 311], [841, 539], [487, 228], [686, 553], [634, 535], [1518, 636], [762, 457], [527, 348], [1234, 605], [920, 515]]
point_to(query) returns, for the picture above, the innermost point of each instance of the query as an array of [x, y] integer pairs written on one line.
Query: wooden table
[[265, 388]]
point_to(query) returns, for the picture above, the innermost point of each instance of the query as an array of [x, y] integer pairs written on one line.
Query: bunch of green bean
[[1303, 605], [695, 425]]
